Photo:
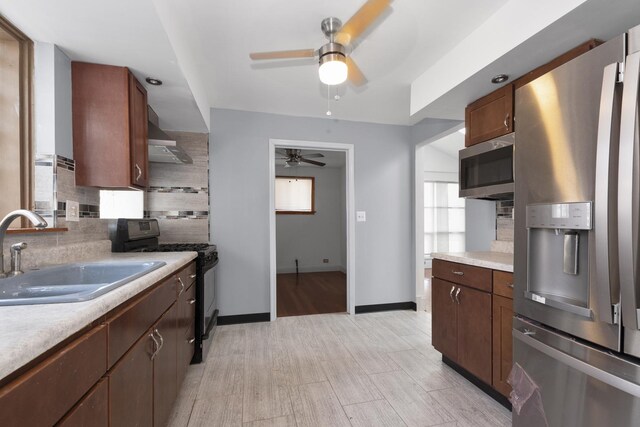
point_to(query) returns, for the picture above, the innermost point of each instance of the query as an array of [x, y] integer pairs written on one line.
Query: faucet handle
[[16, 247]]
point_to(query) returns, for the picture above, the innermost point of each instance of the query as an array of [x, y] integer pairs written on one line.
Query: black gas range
[[141, 235]]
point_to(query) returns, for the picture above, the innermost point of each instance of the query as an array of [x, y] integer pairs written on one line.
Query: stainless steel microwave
[[486, 169]]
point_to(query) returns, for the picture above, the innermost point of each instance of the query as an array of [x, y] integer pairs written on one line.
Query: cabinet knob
[[191, 301], [510, 285], [457, 294], [191, 340], [192, 276], [458, 273]]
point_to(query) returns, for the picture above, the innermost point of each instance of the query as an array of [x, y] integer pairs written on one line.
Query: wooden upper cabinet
[[109, 127], [490, 117]]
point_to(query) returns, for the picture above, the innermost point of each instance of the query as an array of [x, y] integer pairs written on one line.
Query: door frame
[[350, 205]]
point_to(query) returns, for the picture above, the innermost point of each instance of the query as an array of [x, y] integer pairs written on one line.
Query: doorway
[[315, 284]]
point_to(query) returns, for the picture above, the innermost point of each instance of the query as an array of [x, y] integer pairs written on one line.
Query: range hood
[[164, 149]]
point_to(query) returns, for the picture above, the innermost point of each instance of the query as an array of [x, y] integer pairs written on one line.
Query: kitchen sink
[[71, 282]]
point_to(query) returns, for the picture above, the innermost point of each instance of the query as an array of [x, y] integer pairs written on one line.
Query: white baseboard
[[312, 269]]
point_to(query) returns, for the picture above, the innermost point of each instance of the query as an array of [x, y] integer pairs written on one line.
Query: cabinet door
[[92, 410], [444, 319], [165, 389], [131, 386], [502, 343], [474, 332], [138, 128], [490, 116], [186, 330]]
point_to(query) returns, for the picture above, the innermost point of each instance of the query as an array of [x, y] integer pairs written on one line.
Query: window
[[295, 195], [16, 63], [443, 218]]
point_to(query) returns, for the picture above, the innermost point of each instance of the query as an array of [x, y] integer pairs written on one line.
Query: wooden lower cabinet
[[474, 332], [92, 410], [131, 386], [502, 343], [165, 367], [444, 318]]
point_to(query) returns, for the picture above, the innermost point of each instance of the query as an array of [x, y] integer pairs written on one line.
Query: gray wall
[[239, 177], [312, 238]]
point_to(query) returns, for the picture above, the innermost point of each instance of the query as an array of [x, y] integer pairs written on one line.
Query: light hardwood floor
[[375, 369]]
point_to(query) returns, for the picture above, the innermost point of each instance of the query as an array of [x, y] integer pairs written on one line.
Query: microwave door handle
[[628, 193], [607, 290]]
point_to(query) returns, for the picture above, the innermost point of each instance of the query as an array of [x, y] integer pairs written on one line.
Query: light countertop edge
[[28, 331], [493, 260]]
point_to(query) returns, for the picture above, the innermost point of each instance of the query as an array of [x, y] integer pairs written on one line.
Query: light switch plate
[[361, 216], [73, 211]]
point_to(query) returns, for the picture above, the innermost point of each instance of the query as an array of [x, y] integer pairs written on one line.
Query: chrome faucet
[[36, 219]]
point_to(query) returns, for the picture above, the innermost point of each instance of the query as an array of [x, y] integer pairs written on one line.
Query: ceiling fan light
[[333, 69]]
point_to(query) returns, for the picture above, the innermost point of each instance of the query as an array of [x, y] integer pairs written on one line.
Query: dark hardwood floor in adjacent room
[[312, 293]]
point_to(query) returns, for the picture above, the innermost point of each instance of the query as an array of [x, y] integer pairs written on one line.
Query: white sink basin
[[71, 282]]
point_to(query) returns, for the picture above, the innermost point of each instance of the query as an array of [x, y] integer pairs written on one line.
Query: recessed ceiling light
[[153, 81], [500, 78]]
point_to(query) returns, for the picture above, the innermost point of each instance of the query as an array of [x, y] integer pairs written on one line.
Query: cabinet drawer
[[126, 327], [92, 410], [187, 275], [45, 393], [463, 274], [503, 284]]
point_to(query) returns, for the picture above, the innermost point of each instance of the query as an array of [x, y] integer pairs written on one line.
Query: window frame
[[313, 196], [429, 258], [26, 71]]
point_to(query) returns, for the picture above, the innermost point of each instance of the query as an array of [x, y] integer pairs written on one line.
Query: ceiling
[[219, 35], [333, 159], [450, 144]]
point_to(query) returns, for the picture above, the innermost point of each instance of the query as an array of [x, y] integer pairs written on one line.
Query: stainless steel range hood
[[163, 148]]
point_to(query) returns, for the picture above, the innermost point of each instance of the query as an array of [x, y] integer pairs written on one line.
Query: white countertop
[[27, 331], [493, 260]]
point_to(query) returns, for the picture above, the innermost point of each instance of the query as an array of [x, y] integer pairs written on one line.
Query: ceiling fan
[[293, 157], [335, 63]]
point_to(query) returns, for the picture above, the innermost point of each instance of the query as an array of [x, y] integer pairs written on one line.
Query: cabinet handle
[[191, 340], [458, 293], [181, 286], [161, 339], [139, 172], [453, 288], [156, 346], [510, 285], [458, 273], [193, 276], [191, 301], [506, 121]]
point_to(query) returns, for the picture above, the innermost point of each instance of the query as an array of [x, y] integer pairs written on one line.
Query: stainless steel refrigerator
[[576, 262]]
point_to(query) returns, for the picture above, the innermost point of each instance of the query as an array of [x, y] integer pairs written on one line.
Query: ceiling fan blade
[[313, 155], [358, 23], [355, 76], [283, 54], [313, 162], [281, 152]]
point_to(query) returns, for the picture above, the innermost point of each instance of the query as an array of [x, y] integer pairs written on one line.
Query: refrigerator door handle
[[608, 288], [606, 377], [628, 193]]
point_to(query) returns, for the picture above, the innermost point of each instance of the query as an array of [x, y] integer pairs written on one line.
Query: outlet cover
[[73, 211], [361, 216]]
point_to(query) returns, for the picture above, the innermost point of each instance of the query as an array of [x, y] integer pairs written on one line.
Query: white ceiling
[[333, 159], [450, 144]]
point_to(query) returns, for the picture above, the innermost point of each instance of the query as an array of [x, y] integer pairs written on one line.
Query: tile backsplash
[[178, 194]]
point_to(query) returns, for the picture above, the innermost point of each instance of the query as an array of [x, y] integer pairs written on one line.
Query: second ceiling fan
[[336, 65], [293, 157]]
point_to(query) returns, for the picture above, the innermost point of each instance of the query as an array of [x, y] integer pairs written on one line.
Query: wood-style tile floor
[[375, 369]]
